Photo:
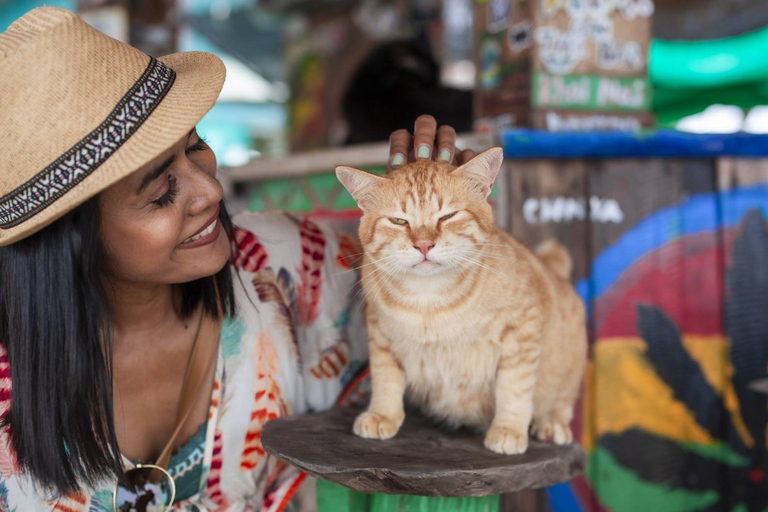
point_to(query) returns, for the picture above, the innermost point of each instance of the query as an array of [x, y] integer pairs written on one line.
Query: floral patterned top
[[297, 340]]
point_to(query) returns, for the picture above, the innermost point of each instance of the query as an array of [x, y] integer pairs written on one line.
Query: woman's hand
[[405, 148]]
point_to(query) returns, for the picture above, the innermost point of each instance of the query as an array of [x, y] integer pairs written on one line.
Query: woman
[[120, 267]]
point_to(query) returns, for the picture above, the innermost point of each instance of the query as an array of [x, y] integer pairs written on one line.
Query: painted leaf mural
[[677, 427]]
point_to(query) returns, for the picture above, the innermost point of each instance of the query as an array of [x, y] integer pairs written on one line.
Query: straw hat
[[80, 110]]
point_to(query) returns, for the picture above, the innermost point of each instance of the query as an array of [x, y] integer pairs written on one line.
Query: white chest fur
[[449, 361]]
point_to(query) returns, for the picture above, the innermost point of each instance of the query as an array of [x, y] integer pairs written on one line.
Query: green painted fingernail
[[445, 155], [398, 159], [424, 151]]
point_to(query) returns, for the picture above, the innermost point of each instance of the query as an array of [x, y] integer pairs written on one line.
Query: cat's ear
[[482, 170], [360, 184]]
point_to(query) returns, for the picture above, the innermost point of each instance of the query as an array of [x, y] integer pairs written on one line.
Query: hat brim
[[199, 79]]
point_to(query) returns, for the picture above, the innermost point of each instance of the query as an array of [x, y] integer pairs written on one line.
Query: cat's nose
[[424, 246]]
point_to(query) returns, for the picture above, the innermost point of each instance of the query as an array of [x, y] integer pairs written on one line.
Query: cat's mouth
[[426, 264]]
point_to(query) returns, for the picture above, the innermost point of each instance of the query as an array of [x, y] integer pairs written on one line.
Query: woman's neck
[[141, 308]]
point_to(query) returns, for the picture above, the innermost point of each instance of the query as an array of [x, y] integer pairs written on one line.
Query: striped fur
[[484, 334]]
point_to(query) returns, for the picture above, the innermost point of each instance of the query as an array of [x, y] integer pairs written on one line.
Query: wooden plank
[[659, 373], [503, 54], [743, 194], [548, 199], [422, 460], [524, 501], [325, 160]]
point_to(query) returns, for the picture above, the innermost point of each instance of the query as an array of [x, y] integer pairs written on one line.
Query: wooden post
[[336, 498]]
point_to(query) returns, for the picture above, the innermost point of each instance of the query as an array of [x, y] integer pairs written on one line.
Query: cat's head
[[426, 218]]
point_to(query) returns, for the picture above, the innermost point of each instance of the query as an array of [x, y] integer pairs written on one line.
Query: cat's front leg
[[515, 381], [385, 414]]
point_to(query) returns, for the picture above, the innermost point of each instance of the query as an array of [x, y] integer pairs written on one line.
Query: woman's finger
[[399, 145], [424, 136], [446, 143], [465, 156]]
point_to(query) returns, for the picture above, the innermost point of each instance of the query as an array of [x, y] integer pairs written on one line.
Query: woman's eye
[[200, 145], [170, 195], [446, 217], [399, 222]]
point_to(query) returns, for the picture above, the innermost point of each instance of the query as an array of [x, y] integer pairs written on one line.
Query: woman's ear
[[360, 184], [482, 170]]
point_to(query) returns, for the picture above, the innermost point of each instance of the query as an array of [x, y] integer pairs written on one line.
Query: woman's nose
[[206, 192]]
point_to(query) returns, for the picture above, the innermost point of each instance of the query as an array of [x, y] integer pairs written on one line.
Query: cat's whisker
[[476, 254], [381, 280], [507, 247], [490, 269], [479, 253], [385, 258], [463, 267], [373, 273], [383, 271]]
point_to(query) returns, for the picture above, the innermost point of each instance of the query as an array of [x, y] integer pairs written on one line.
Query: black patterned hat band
[[84, 111], [85, 157]]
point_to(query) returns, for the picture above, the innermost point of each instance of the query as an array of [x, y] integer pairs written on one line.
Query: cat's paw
[[371, 425], [551, 429], [506, 441]]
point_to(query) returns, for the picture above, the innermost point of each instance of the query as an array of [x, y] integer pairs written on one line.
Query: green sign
[[591, 92]]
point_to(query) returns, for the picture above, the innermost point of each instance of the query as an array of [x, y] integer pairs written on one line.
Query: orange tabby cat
[[477, 329]]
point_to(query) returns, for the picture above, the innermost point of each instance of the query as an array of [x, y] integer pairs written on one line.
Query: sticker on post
[[490, 66], [520, 36], [499, 15], [560, 52], [577, 8], [590, 123], [598, 28], [632, 9], [550, 8], [589, 8], [619, 55]]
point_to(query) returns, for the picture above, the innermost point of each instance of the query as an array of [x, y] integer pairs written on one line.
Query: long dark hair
[[55, 323]]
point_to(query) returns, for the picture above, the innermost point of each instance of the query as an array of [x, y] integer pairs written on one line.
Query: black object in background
[[396, 83]]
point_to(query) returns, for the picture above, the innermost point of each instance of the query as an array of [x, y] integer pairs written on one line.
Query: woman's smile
[[206, 235]]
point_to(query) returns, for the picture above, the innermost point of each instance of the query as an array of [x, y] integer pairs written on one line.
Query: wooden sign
[[563, 65]]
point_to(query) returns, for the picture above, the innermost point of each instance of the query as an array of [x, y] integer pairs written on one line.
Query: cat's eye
[[446, 217], [399, 222]]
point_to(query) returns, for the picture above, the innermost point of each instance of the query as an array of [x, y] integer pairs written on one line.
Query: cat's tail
[[556, 257]]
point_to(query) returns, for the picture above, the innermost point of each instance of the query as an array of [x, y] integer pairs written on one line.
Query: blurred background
[[633, 133], [296, 68]]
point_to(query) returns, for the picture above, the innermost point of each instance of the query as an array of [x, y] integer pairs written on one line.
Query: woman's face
[[160, 224]]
